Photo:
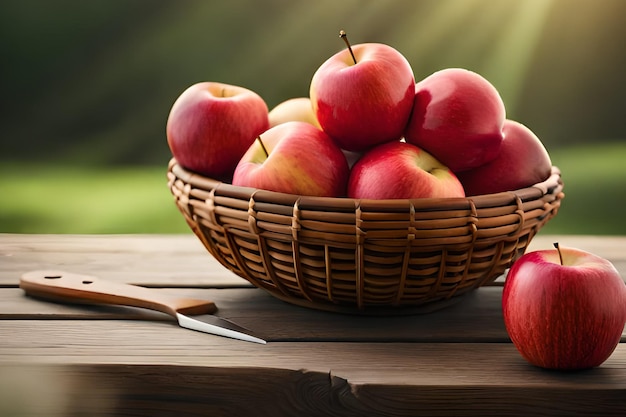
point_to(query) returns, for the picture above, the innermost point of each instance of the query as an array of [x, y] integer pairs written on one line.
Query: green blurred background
[[87, 87]]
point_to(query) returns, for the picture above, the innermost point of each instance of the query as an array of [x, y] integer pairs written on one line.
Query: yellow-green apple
[[293, 110], [362, 96], [564, 308], [398, 170], [457, 117], [211, 125], [521, 162], [295, 158]]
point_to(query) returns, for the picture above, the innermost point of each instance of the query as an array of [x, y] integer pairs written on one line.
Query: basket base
[[373, 310]]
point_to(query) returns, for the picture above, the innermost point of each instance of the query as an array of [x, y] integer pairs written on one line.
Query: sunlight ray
[[512, 52], [430, 29]]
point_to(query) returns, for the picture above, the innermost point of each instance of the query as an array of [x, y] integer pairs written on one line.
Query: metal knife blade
[[68, 287], [218, 326]]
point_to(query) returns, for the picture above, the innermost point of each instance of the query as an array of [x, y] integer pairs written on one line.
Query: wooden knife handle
[[85, 289]]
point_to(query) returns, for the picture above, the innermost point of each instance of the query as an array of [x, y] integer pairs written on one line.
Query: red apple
[[564, 314], [400, 170], [293, 110], [457, 117], [362, 96], [294, 158], [211, 125], [521, 162]]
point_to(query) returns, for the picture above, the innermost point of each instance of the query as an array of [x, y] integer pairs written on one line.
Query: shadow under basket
[[363, 256]]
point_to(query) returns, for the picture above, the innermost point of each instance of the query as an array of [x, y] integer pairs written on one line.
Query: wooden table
[[58, 360]]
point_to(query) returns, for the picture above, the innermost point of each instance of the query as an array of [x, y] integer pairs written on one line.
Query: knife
[[85, 289]]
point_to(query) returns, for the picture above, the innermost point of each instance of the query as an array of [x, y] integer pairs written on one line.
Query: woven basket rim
[[551, 185]]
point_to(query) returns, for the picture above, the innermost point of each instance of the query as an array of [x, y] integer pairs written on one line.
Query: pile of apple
[[367, 130]]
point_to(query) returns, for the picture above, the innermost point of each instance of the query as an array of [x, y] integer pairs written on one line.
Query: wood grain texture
[[477, 318], [121, 361], [181, 260], [149, 260], [163, 371], [423, 364], [164, 390]]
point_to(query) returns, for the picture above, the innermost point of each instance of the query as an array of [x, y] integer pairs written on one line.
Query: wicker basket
[[363, 256]]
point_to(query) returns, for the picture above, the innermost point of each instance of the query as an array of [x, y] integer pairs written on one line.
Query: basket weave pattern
[[342, 254]]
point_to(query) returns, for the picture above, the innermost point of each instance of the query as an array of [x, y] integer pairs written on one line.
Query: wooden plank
[[476, 318], [118, 361], [150, 260], [181, 260], [175, 390], [425, 364]]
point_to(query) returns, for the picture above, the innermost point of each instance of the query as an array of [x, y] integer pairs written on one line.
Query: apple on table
[[362, 96], [522, 161], [399, 170], [295, 158], [457, 117], [565, 308], [212, 124]]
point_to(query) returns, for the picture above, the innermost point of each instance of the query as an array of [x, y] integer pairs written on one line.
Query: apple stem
[[558, 249], [263, 146], [342, 35]]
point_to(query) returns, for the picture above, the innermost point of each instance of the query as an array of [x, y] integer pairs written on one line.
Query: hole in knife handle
[[52, 277], [87, 282]]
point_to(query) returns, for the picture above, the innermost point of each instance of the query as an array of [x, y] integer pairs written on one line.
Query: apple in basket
[[295, 158], [211, 125], [564, 308], [397, 170], [457, 117], [363, 95], [293, 110], [521, 162]]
